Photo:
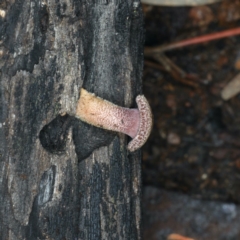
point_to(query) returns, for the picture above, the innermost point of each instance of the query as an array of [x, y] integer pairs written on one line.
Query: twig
[[205, 38], [154, 65], [177, 73]]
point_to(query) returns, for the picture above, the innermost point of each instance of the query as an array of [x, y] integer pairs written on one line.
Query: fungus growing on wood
[[136, 123]]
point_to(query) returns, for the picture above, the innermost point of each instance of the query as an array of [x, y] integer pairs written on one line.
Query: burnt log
[[61, 178]]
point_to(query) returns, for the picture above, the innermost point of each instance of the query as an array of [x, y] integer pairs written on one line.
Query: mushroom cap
[[145, 124]]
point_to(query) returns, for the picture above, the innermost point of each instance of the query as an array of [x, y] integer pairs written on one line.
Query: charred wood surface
[[61, 178]]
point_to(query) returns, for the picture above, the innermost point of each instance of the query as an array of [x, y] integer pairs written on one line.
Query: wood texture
[[59, 177]]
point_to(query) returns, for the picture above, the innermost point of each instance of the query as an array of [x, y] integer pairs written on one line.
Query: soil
[[167, 213], [194, 148]]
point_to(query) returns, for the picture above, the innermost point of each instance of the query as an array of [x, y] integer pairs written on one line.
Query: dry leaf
[[175, 236], [232, 88]]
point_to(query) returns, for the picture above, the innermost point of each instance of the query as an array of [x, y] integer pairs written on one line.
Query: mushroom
[[136, 123]]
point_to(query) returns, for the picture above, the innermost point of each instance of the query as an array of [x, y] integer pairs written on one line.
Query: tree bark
[[61, 178]]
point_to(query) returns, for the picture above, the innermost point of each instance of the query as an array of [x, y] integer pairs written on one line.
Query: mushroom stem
[[136, 123]]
